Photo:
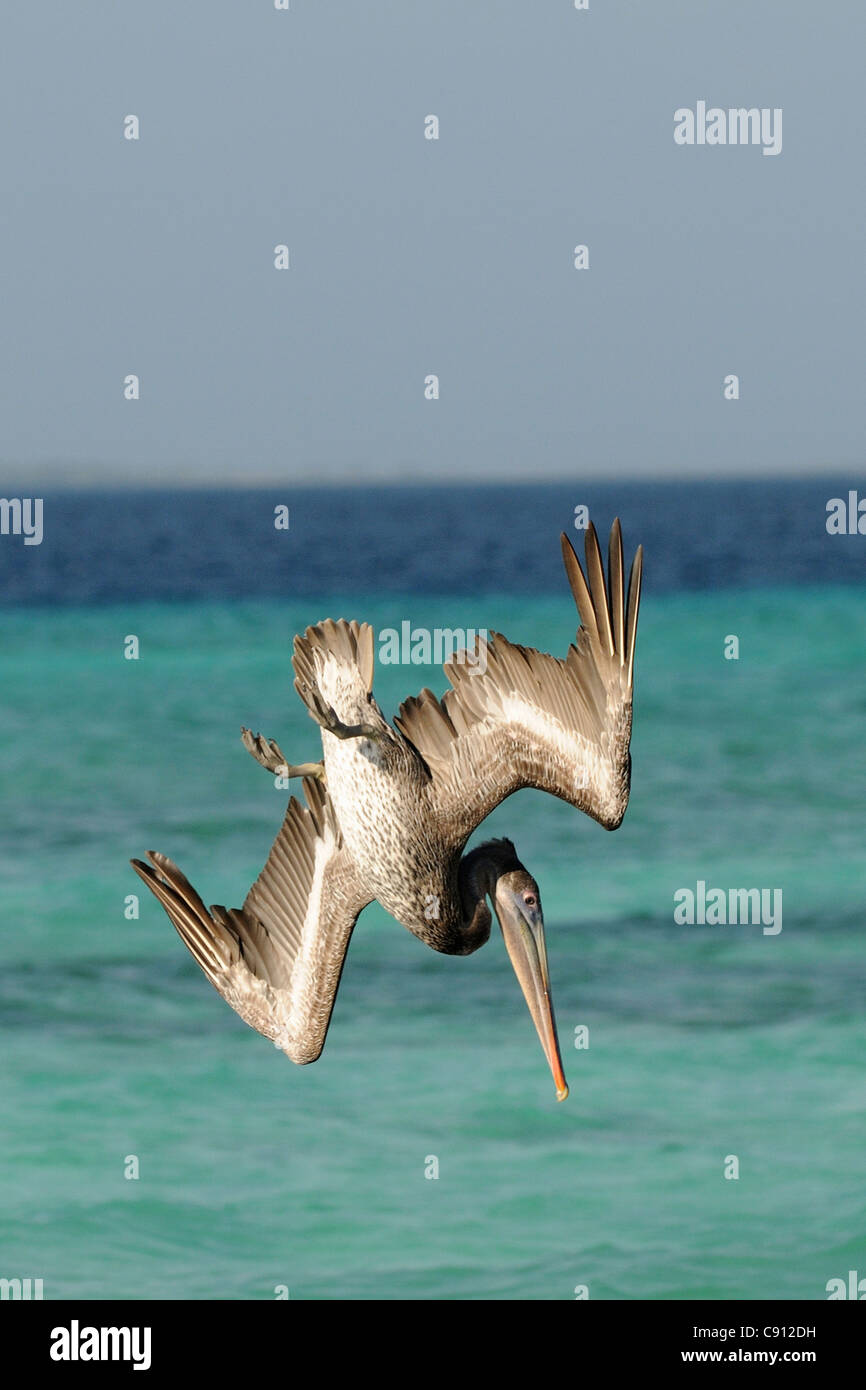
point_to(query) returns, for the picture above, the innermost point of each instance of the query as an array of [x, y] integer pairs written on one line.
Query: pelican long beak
[[523, 932]]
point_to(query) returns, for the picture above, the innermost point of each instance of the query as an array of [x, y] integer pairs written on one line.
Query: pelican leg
[[267, 752]]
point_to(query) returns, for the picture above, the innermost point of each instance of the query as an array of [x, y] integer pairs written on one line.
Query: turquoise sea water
[[705, 1041]]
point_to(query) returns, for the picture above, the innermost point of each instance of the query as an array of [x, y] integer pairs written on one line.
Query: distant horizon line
[[838, 473]]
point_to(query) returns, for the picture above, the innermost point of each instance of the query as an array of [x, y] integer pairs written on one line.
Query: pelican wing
[[277, 960], [517, 717]]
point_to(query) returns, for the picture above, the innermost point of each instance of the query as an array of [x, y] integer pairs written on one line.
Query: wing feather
[[278, 959], [516, 717]]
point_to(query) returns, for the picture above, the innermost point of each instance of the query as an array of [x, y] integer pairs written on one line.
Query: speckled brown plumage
[[391, 814]]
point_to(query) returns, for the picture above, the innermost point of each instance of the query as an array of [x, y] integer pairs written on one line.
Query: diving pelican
[[390, 809]]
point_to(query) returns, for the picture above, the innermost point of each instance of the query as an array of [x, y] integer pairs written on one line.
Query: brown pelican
[[390, 809]]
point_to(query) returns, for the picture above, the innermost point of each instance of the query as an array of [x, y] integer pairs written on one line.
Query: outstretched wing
[[277, 960], [517, 717]]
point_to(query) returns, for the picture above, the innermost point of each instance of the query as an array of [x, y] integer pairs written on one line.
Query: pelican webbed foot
[[267, 752], [328, 718]]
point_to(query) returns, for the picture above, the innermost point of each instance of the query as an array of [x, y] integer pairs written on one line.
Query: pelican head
[[517, 903], [496, 870]]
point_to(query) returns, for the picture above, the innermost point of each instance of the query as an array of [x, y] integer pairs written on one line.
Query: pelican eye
[[530, 899]]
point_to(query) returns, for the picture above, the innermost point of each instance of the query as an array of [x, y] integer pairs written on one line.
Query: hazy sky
[[411, 256]]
